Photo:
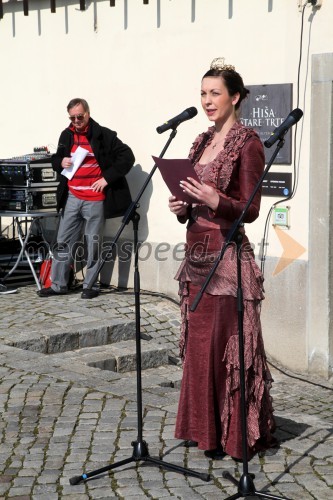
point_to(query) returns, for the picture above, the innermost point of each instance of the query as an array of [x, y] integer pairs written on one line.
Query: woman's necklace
[[217, 142], [221, 137]]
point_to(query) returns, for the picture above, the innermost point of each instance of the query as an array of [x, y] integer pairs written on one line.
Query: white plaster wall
[[138, 65], [139, 69]]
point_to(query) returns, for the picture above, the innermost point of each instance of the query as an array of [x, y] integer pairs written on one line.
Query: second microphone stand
[[140, 447]]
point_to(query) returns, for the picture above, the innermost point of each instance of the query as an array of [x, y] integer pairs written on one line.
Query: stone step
[[76, 336], [121, 357]]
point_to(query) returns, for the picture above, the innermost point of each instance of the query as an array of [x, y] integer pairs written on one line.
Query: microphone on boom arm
[[280, 131], [177, 120]]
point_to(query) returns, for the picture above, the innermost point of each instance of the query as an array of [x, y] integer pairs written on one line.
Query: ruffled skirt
[[209, 410]]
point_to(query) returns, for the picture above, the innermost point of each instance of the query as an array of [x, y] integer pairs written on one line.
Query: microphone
[[177, 120], [280, 131]]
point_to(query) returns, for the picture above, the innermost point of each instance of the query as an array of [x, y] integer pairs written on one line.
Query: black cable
[[292, 194], [145, 292], [299, 378], [174, 301], [295, 168]]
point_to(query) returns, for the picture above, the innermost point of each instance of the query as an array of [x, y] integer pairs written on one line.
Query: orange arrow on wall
[[291, 250]]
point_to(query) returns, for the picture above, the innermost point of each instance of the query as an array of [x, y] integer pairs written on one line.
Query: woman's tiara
[[218, 63]]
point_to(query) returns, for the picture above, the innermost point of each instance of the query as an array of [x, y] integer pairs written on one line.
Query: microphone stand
[[245, 484], [140, 447]]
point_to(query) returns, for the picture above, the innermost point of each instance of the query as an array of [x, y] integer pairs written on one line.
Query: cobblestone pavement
[[68, 406]]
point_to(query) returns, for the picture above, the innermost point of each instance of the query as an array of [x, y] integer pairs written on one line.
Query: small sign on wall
[[277, 184], [265, 108], [281, 217]]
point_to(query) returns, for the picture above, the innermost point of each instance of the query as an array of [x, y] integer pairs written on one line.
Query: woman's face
[[215, 99]]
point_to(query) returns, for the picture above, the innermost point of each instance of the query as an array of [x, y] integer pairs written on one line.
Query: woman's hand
[[177, 207], [204, 193]]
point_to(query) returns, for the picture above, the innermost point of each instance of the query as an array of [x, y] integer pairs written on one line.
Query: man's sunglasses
[[79, 118]]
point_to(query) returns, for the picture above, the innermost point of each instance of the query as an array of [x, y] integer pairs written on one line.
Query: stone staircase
[[104, 345]]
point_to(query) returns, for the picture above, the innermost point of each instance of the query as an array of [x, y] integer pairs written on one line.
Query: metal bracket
[[315, 4]]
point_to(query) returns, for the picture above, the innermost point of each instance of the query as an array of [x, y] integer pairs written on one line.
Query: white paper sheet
[[77, 160]]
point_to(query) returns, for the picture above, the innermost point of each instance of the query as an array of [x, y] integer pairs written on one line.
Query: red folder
[[174, 171]]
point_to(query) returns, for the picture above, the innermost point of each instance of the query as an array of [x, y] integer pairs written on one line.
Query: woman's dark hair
[[76, 101], [233, 82]]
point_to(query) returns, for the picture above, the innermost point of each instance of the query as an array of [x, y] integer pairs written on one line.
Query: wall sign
[[281, 217], [277, 184], [265, 108]]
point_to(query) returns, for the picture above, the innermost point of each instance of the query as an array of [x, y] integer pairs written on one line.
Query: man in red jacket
[[97, 190]]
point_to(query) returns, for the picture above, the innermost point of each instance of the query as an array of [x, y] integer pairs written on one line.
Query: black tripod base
[[140, 452], [246, 487]]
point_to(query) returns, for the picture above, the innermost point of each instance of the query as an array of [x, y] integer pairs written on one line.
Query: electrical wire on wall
[[295, 180], [264, 244]]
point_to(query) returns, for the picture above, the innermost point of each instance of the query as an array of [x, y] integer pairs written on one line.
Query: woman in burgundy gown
[[229, 161]]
